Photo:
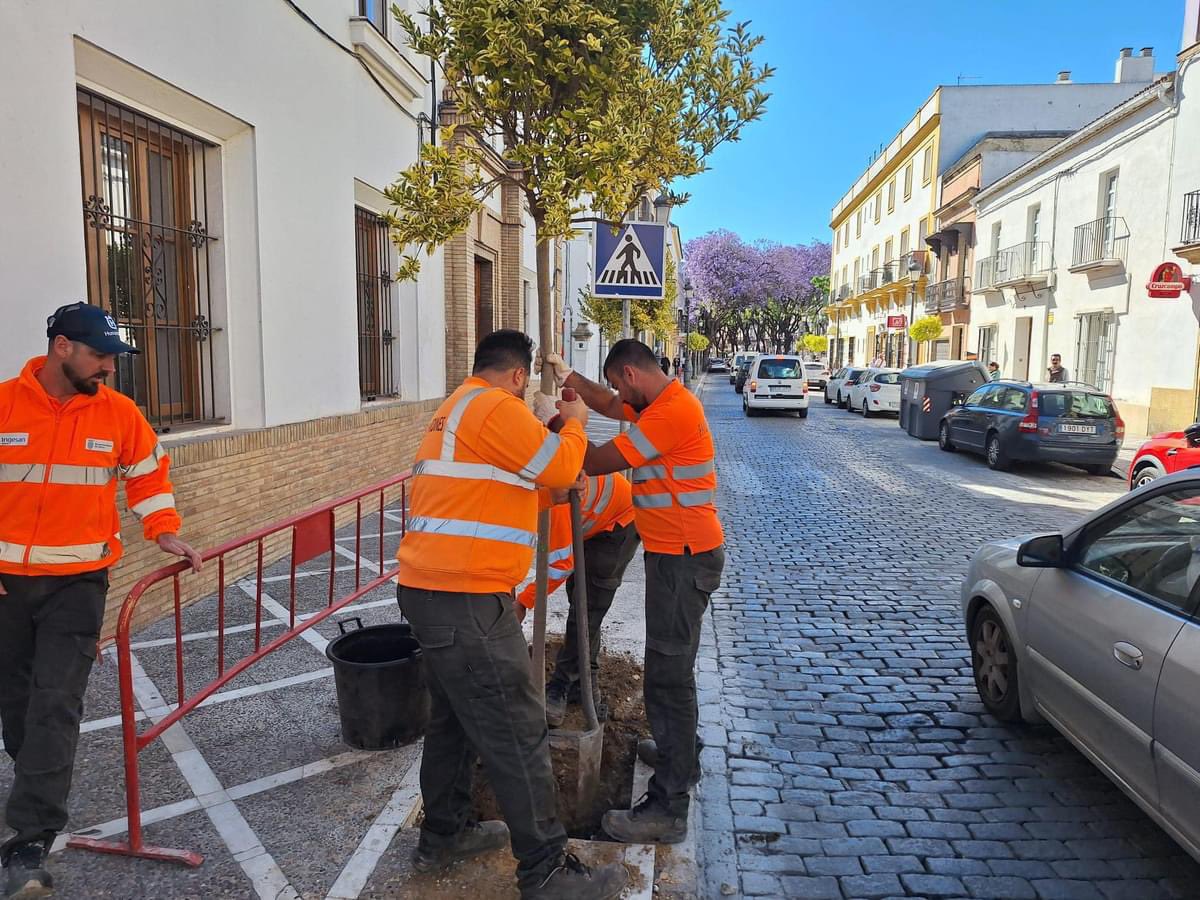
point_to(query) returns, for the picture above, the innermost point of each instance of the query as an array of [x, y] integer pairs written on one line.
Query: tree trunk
[[541, 565]]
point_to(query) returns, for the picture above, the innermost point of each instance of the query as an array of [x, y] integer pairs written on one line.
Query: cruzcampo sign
[[1168, 281]]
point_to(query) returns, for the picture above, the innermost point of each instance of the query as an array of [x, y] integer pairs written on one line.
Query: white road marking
[[361, 865]]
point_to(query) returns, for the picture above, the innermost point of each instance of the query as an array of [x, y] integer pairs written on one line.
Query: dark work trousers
[[606, 556], [677, 592], [49, 625], [483, 705]]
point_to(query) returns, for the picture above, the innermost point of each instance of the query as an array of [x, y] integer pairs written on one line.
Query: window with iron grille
[[146, 189], [1095, 344], [373, 252]]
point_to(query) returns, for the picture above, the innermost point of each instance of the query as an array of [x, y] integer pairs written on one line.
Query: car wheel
[[1098, 469], [994, 664], [866, 410], [996, 457], [1145, 475], [944, 438], [802, 413], [827, 400], [841, 404]]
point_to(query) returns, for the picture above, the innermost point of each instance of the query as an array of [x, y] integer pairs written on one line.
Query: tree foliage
[[814, 343], [596, 103], [926, 328], [759, 295], [697, 342]]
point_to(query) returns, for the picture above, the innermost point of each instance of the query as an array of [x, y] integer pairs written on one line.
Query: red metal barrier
[[312, 534]]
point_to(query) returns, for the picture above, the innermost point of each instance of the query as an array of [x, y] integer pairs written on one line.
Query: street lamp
[[916, 265]]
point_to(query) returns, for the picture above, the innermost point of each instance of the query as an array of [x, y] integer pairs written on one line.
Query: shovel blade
[[576, 756]]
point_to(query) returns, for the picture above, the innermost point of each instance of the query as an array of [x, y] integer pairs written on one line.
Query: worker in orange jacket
[[469, 541], [610, 540], [65, 440], [674, 497]]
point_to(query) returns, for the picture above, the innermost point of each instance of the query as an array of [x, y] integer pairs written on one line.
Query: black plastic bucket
[[381, 693]]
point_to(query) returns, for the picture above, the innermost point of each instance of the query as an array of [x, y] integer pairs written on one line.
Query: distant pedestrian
[[675, 364], [1056, 372], [993, 371], [666, 365], [877, 362]]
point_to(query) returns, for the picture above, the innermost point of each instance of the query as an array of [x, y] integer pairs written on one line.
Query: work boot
[[647, 752], [556, 703], [572, 880], [650, 822], [25, 870], [474, 839]]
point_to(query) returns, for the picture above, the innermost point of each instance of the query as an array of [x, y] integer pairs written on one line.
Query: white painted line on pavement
[[361, 865], [283, 615], [350, 554], [266, 877], [240, 792]]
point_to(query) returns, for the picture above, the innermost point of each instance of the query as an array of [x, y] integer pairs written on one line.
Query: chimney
[[1135, 69], [1064, 77]]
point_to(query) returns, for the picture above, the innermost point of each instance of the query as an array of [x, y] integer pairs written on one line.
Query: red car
[[1171, 451]]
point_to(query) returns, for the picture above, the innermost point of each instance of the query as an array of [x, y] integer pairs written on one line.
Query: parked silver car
[[1095, 631]]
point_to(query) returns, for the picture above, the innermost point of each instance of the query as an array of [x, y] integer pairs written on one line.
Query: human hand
[[519, 611], [544, 408], [170, 543], [3, 592], [574, 409], [557, 365]]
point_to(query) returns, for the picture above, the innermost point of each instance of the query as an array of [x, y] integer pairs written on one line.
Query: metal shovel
[[576, 754]]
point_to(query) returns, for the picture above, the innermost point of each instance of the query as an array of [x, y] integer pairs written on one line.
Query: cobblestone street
[[847, 752]]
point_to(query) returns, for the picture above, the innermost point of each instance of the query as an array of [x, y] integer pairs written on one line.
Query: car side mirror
[[1192, 434], [1042, 552]]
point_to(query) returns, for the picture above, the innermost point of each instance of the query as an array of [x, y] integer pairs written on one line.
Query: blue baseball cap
[[89, 325]]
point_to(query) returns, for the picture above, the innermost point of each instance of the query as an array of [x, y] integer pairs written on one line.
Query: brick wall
[[233, 484]]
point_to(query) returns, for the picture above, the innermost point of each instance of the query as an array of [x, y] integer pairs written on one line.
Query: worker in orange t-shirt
[[674, 489], [610, 540]]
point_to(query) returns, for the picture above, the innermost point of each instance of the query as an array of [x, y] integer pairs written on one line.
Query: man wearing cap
[[65, 438]]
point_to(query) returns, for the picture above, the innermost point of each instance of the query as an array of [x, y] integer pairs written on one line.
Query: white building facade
[[1068, 243], [881, 261]]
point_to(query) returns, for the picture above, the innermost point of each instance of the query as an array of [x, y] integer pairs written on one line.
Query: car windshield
[[814, 367], [852, 374], [779, 368], [887, 378], [1076, 405]]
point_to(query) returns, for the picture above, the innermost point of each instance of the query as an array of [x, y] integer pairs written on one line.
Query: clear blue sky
[[852, 72]]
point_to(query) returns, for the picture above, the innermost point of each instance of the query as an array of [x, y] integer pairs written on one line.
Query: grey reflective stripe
[[154, 504], [93, 475], [463, 528], [471, 471], [537, 465], [652, 501], [22, 473], [642, 443], [449, 436], [558, 555], [682, 473], [146, 466], [53, 556], [696, 498], [645, 473], [605, 496]]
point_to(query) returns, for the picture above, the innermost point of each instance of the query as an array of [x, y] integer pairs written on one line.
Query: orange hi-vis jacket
[[472, 518], [607, 503], [674, 474], [59, 464]]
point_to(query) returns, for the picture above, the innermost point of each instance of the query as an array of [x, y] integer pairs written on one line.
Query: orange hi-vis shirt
[[674, 474], [607, 502], [59, 465], [472, 517]]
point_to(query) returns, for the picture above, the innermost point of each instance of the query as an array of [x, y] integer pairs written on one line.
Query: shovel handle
[[579, 600]]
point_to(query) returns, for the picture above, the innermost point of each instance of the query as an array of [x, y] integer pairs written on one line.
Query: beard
[[88, 385]]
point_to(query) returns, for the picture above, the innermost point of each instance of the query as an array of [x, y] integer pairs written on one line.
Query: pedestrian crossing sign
[[628, 260]]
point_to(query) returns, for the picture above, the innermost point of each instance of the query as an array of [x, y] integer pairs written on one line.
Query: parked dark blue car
[[1010, 421]]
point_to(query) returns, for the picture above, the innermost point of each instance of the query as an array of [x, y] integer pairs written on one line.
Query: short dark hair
[[503, 350], [630, 352]]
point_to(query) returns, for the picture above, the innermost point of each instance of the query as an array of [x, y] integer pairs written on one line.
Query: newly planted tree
[[596, 103]]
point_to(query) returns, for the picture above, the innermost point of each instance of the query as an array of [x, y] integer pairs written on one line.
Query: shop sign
[[1168, 280]]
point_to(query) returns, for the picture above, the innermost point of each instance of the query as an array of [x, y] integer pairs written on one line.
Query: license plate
[[1077, 429], [780, 387]]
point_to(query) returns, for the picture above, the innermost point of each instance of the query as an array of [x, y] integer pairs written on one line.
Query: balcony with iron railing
[[947, 296], [1100, 245], [1189, 243], [911, 265], [1025, 263], [868, 282], [844, 292]]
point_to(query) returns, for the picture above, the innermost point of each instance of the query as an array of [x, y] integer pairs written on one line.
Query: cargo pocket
[[435, 637]]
